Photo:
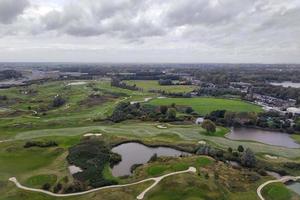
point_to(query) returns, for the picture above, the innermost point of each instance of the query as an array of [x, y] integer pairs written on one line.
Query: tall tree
[[209, 126], [248, 158]]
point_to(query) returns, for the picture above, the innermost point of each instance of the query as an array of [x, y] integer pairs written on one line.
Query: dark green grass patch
[[38, 180]]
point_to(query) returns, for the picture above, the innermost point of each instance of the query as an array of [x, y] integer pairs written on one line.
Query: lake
[[136, 153], [286, 84], [267, 137]]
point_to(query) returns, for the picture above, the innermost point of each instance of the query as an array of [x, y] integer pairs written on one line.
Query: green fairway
[[205, 105], [174, 133], [77, 111], [153, 85]]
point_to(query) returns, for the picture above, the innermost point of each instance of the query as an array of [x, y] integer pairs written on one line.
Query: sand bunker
[[161, 126], [77, 83], [271, 157], [202, 142], [92, 134]]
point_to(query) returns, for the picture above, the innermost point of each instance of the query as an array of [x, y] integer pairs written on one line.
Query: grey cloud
[[11, 9], [92, 18], [248, 27]]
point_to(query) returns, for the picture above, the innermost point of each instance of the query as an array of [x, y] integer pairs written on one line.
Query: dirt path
[[141, 196], [282, 180]]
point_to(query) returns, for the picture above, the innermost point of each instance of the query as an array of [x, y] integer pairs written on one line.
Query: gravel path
[[141, 196]]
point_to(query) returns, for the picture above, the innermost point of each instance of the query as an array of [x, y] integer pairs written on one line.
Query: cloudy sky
[[243, 31]]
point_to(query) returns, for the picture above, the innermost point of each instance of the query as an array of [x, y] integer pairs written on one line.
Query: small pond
[[136, 153], [267, 137]]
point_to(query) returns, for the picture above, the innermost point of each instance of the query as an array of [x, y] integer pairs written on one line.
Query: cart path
[[282, 180], [140, 196]]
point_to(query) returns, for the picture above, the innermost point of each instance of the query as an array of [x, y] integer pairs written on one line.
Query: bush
[[57, 188], [58, 101], [240, 148], [92, 156], [248, 158], [40, 144], [209, 126], [46, 186]]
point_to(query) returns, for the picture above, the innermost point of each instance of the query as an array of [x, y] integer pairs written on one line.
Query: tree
[[46, 186], [240, 148], [163, 109], [189, 110], [171, 113], [58, 101], [248, 158], [209, 126], [229, 117]]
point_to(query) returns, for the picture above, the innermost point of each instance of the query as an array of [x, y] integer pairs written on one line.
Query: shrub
[[248, 158]]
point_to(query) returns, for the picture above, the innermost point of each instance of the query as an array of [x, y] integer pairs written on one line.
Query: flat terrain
[[205, 105], [153, 85]]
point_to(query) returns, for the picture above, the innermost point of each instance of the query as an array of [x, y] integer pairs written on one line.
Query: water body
[[135, 153], [267, 137], [295, 187], [287, 84]]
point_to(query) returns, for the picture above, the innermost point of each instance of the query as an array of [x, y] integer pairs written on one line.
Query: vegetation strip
[[141, 196], [283, 180]]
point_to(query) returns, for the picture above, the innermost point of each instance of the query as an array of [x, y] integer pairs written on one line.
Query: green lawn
[[276, 191], [153, 85], [205, 105]]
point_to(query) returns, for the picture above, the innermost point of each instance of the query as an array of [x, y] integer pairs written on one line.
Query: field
[[33, 167], [205, 105], [153, 85], [79, 109], [28, 116], [277, 191]]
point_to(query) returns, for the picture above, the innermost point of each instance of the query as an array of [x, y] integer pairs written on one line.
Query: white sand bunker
[[74, 169], [161, 126], [77, 83], [92, 134], [202, 142], [271, 157]]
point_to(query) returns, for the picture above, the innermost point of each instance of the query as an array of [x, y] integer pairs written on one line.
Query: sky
[[150, 31]]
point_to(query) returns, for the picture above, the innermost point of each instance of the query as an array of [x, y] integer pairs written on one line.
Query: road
[[140, 196]]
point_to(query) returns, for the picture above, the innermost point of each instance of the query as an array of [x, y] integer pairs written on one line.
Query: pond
[[267, 137], [286, 84], [294, 187], [136, 153]]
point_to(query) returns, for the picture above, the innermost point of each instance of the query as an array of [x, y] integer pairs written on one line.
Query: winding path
[[140, 196], [282, 180]]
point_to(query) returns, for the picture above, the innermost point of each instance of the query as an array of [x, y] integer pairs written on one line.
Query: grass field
[[66, 125], [17, 117], [174, 133], [206, 105], [277, 191], [153, 85], [34, 166]]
